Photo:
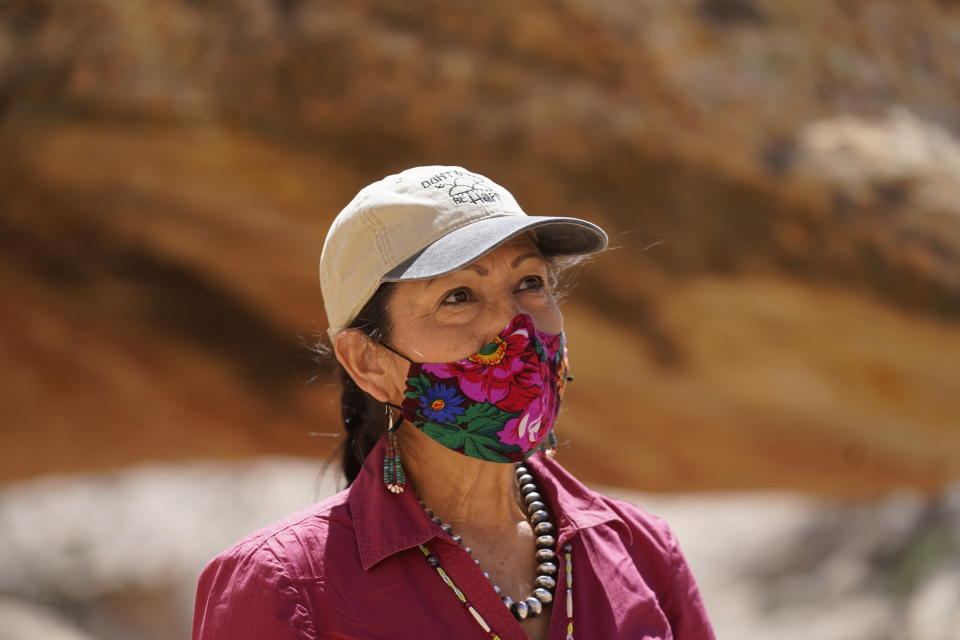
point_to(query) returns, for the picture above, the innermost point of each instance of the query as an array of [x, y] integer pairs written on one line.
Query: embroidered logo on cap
[[463, 187]]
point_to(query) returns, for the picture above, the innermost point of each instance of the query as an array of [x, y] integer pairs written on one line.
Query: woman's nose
[[504, 309], [507, 308]]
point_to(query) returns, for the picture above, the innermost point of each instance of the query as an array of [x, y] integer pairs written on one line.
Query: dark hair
[[363, 416]]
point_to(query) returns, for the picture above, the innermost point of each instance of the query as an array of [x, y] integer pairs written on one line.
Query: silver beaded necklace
[[546, 556]]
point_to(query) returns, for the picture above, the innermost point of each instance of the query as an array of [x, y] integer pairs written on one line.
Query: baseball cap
[[426, 222]]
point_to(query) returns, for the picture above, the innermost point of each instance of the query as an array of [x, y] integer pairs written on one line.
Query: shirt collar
[[575, 505], [386, 523]]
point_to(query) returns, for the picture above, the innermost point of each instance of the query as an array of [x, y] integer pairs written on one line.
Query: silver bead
[[532, 497], [547, 569], [468, 549], [535, 506], [486, 575], [520, 469], [527, 489], [546, 555], [535, 606], [539, 516], [429, 513], [497, 590], [568, 547], [543, 528], [545, 582], [520, 610], [525, 479], [507, 601], [457, 539], [545, 542], [446, 528], [437, 520], [543, 595]]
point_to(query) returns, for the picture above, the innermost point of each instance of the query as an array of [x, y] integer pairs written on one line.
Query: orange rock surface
[[168, 171]]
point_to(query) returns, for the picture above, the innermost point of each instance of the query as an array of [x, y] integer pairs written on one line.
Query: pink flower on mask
[[503, 373], [530, 427]]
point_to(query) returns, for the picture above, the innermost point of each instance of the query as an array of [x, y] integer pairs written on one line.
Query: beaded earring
[[549, 446], [393, 477]]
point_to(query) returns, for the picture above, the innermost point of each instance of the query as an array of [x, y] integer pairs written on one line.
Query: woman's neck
[[459, 489]]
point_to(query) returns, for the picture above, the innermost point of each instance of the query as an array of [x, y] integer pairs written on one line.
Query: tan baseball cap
[[426, 222]]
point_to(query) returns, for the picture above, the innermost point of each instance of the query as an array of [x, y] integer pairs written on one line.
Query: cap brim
[[556, 236]]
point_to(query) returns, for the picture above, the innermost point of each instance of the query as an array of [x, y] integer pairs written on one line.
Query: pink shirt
[[349, 568]]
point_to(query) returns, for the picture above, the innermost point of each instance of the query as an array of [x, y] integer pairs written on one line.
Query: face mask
[[497, 404]]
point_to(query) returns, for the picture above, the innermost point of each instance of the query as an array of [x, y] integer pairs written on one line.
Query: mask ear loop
[[384, 344], [391, 425]]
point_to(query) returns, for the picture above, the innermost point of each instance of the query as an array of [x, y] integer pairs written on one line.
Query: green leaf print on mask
[[484, 449], [538, 348], [420, 385], [484, 417], [476, 433]]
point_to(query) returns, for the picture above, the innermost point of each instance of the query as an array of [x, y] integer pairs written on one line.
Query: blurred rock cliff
[[779, 180]]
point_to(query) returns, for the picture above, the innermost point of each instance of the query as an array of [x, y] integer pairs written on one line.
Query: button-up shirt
[[349, 567]]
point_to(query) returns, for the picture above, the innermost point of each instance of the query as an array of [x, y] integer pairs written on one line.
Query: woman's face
[[450, 317]]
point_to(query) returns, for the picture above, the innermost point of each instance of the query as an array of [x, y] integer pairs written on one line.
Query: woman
[[457, 523]]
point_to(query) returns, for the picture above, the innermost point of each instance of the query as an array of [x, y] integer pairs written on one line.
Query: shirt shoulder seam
[[257, 541]]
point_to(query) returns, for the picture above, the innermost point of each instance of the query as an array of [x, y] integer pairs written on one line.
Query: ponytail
[[363, 421]]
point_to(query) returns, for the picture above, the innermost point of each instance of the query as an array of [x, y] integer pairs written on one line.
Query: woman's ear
[[364, 362]]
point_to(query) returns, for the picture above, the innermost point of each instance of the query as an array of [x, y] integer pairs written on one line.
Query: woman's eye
[[457, 296], [531, 282], [464, 295]]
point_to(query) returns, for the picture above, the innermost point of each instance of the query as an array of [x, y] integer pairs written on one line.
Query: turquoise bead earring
[[393, 477], [549, 445]]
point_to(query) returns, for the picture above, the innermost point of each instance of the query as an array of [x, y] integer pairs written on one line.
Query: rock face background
[[781, 185]]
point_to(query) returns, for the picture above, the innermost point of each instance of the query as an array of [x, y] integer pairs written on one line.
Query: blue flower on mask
[[441, 403]]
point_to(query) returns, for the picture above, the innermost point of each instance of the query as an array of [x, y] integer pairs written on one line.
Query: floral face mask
[[497, 404]]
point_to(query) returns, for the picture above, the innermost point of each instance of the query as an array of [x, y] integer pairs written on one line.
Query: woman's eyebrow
[[483, 270]]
